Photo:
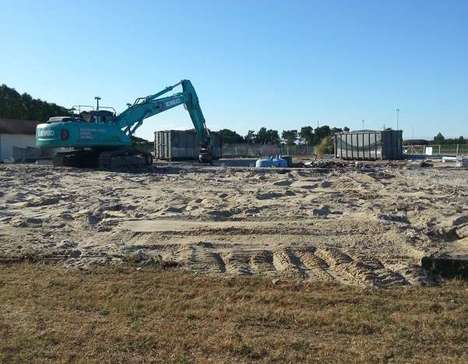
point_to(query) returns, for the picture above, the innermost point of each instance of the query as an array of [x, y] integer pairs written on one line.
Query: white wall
[[8, 141]]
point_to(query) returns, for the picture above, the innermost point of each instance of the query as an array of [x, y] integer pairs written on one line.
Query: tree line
[[14, 105], [440, 139], [305, 135]]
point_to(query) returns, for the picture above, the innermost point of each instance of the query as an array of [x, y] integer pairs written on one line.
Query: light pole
[[397, 117], [97, 98], [363, 124]]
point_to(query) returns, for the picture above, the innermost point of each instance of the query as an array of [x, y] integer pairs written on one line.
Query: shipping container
[[183, 145], [369, 145]]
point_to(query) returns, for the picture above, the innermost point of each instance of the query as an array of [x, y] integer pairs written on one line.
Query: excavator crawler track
[[106, 160], [124, 159]]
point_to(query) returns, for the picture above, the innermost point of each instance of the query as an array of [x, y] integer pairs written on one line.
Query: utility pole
[[97, 98], [363, 124], [397, 117]]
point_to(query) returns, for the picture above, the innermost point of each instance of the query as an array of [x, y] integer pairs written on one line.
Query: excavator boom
[[144, 107]]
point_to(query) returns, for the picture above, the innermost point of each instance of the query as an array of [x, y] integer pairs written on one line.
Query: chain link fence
[[263, 150], [436, 149]]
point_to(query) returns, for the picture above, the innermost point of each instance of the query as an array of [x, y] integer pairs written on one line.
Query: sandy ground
[[367, 226]]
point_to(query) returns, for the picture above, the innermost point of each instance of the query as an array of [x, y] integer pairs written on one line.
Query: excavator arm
[[144, 107], [195, 112]]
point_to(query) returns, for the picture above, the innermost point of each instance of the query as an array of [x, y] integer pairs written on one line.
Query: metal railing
[[297, 149], [436, 149]]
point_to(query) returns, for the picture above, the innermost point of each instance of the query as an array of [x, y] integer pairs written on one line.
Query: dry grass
[[122, 315]]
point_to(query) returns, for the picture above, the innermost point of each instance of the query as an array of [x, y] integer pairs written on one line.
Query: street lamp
[[97, 98], [397, 117]]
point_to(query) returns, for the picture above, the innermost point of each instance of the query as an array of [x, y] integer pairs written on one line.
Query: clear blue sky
[[280, 64]]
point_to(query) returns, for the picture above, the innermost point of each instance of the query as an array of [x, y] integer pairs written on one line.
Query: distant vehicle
[[100, 138]]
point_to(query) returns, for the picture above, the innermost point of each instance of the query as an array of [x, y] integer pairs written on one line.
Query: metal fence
[[297, 149], [250, 150], [436, 149], [263, 150]]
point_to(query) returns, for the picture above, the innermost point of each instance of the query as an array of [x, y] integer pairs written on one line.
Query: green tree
[[262, 136], [273, 136], [250, 137], [335, 130], [307, 135], [439, 138], [289, 136], [267, 136], [320, 133], [231, 137], [16, 106]]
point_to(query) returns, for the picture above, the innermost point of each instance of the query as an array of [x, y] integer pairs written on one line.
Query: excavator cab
[[98, 116]]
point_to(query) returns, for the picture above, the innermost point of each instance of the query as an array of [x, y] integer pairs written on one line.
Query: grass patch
[[48, 313]]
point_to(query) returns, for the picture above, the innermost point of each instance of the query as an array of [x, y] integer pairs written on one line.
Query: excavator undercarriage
[[125, 158]]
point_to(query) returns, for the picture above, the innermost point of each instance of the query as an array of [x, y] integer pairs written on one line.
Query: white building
[[16, 133]]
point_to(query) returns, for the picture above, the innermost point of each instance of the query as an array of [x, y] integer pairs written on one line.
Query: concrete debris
[[399, 217], [140, 256], [459, 220], [283, 182], [462, 232], [67, 244], [322, 211]]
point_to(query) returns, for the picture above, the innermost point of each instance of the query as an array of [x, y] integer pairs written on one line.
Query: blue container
[[270, 162], [279, 162], [264, 163]]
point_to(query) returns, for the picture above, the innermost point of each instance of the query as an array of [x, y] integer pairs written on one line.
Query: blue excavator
[[100, 138]]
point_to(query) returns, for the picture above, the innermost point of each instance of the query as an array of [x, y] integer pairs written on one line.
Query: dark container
[[182, 145], [369, 145]]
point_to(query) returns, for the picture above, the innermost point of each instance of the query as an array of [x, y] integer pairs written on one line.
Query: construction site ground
[[362, 224], [49, 313]]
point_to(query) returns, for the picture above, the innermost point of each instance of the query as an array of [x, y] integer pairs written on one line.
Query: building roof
[[13, 126]]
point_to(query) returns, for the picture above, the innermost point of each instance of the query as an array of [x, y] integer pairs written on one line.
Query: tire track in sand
[[202, 258], [262, 262], [287, 263], [364, 271], [317, 268], [238, 262]]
